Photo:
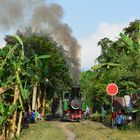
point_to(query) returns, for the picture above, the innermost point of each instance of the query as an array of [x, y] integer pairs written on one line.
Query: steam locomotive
[[73, 105]]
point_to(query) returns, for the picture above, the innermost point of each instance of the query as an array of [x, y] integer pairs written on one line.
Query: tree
[[118, 63], [25, 64]]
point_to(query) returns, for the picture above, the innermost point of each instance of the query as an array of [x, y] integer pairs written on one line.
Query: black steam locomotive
[[73, 105]]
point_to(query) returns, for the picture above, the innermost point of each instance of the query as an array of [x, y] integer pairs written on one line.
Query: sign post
[[112, 89]]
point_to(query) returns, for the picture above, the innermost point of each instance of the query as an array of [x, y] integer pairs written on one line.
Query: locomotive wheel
[[78, 120]]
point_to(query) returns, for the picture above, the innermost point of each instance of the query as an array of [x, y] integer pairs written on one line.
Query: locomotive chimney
[[76, 91]]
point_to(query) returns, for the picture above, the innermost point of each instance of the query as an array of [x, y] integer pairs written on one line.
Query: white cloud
[[3, 35], [90, 51], [2, 42]]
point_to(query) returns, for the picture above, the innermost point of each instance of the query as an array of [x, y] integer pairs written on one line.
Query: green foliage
[[107, 65], [25, 94], [96, 117], [25, 61], [118, 63], [44, 56], [127, 40], [6, 111]]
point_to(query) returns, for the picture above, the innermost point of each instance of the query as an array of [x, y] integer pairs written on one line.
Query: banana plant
[[38, 76], [128, 41], [16, 66], [6, 112]]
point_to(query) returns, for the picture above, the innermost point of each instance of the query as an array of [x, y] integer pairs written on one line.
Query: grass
[[89, 130], [43, 130], [86, 130]]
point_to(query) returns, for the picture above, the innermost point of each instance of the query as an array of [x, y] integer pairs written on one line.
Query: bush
[[96, 117]]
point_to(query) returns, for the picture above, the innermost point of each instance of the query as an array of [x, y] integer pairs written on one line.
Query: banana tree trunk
[[19, 86], [19, 124], [60, 107], [13, 121], [38, 100], [43, 104], [30, 109], [34, 96], [3, 136], [60, 104]]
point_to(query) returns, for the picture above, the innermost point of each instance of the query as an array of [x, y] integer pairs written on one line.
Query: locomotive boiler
[[73, 105]]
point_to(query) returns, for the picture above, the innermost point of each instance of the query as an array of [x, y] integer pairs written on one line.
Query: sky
[[92, 20]]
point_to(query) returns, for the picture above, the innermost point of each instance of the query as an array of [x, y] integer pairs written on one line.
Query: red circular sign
[[112, 89]]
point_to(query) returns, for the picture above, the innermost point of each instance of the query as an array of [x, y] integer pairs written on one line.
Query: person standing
[[104, 112], [87, 113], [119, 119], [33, 116]]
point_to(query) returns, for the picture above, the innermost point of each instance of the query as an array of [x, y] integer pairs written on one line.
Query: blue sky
[[92, 20], [84, 16]]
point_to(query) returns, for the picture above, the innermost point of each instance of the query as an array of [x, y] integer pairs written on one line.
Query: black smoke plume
[[41, 16]]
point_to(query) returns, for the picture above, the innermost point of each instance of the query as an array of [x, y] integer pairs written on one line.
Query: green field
[[43, 131], [89, 130], [86, 130]]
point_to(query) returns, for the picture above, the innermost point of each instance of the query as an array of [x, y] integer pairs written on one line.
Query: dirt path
[[89, 130], [69, 134]]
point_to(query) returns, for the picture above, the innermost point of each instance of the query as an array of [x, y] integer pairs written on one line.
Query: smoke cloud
[[40, 15]]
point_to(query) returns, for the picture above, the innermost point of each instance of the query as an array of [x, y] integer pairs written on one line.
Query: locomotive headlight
[[75, 103]]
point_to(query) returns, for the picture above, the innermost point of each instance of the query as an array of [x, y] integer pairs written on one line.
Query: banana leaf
[[25, 93], [2, 108], [98, 66], [127, 41], [18, 39], [6, 111], [11, 109], [44, 56], [2, 119]]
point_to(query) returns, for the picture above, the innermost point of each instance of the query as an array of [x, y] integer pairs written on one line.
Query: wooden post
[[112, 110], [112, 89]]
